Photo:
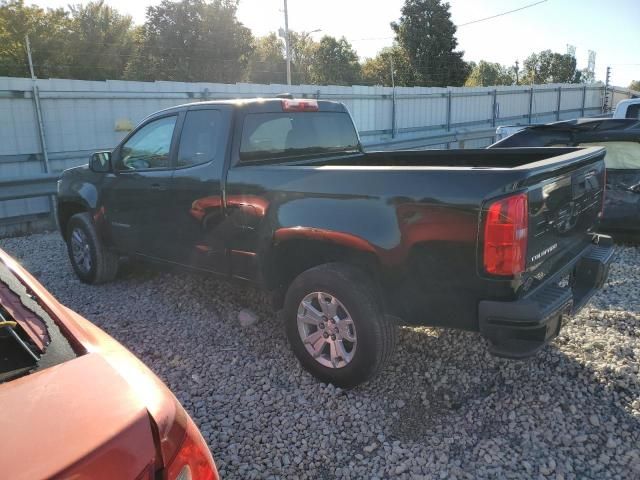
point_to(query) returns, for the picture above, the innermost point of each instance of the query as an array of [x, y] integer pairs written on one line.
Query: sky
[[611, 29]]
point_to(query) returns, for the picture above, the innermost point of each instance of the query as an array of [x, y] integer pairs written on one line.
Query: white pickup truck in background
[[627, 109]]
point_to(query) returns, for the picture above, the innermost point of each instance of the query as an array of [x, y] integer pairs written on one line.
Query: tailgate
[[565, 202]]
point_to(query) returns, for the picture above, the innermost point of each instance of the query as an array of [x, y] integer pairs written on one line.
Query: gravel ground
[[444, 408]]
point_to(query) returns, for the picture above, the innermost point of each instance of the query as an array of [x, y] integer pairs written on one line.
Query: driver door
[[137, 200]]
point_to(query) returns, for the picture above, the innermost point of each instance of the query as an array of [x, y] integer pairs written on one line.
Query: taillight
[[296, 105], [193, 460], [505, 236]]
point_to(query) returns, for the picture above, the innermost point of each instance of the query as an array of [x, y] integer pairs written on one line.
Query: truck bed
[[422, 212], [471, 158]]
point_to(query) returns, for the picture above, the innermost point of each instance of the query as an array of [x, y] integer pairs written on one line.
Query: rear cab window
[[296, 134]]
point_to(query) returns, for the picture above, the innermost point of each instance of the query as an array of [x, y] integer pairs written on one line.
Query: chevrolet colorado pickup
[[280, 193]]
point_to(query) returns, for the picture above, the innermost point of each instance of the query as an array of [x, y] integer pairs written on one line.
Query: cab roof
[[253, 105]]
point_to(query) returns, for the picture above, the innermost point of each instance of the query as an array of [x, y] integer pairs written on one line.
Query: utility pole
[[605, 105], [517, 70], [286, 42], [393, 99]]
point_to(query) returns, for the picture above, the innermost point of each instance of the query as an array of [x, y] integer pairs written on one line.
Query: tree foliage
[[550, 67], [48, 32], [302, 48], [192, 40], [202, 40], [635, 85], [377, 70], [427, 34], [486, 74], [267, 63], [334, 62], [101, 41]]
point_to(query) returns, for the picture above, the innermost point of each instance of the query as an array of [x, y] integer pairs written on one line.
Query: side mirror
[[100, 162]]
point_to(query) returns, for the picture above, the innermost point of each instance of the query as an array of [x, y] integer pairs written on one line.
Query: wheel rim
[[327, 330], [80, 250]]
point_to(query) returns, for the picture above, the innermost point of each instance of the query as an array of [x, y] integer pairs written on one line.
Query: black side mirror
[[100, 162]]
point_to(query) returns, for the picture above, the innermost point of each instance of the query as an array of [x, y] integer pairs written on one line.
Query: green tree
[[48, 34], [267, 63], [550, 67], [303, 49], [635, 85], [335, 63], [192, 40], [377, 70], [427, 34], [101, 41], [486, 74]]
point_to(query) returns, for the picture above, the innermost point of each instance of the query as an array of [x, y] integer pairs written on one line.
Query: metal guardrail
[[40, 185]]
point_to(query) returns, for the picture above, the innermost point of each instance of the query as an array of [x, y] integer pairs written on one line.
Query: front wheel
[[91, 261], [336, 326]]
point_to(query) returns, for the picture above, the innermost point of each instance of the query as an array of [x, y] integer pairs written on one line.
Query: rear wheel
[[91, 261], [336, 326]]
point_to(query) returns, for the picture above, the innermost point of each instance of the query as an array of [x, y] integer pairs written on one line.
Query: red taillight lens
[[505, 236], [289, 105], [193, 461]]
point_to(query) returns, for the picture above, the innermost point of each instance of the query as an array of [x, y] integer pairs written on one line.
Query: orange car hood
[[79, 420]]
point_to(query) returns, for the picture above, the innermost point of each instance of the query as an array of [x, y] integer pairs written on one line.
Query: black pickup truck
[[280, 193]]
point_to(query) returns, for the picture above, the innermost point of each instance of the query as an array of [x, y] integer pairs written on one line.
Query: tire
[[98, 264], [356, 299]]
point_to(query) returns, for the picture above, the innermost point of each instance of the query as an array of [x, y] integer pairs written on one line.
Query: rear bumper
[[520, 328]]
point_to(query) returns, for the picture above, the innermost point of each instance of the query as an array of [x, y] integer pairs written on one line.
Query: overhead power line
[[462, 24], [501, 14]]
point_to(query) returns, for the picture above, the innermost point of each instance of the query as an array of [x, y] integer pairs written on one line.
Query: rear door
[[196, 237]]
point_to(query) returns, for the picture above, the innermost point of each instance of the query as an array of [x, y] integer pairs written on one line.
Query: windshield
[[278, 135]]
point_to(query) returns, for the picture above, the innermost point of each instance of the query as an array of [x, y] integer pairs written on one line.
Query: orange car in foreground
[[74, 403]]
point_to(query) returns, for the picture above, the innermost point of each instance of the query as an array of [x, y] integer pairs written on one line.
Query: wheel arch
[[299, 249], [67, 208]]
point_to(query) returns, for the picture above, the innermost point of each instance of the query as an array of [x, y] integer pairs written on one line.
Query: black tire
[[376, 333], [103, 263]]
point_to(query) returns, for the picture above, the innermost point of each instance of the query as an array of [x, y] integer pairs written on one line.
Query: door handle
[[158, 186]]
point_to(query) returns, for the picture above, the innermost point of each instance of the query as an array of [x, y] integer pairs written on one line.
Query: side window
[[200, 137], [149, 147], [633, 111]]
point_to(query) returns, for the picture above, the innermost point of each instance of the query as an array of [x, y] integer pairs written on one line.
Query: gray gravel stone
[[247, 318], [444, 408]]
